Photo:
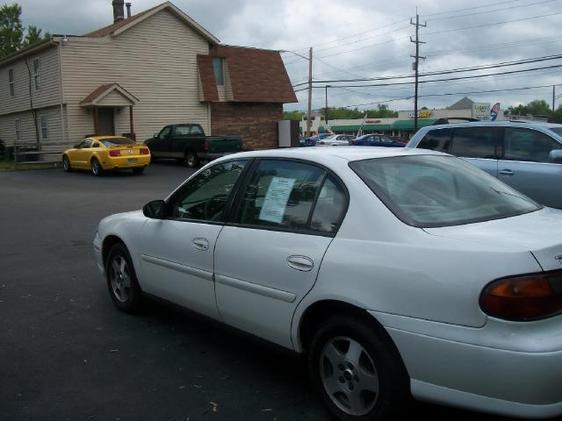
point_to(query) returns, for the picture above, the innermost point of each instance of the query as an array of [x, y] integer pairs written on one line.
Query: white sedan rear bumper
[[97, 243], [512, 369]]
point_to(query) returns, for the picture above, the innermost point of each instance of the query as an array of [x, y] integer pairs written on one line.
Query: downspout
[[209, 117], [33, 111], [62, 120]]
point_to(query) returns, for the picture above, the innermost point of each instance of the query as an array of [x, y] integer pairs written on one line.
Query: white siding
[[27, 133], [49, 85], [114, 99], [155, 61]]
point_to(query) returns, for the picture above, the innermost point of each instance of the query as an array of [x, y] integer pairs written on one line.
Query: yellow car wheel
[[66, 164], [96, 168]]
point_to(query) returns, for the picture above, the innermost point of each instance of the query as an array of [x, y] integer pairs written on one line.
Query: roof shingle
[[256, 75], [107, 30]]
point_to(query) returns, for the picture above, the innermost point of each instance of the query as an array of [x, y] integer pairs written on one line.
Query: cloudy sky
[[369, 39]]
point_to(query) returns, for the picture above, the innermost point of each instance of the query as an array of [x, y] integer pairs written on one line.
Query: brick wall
[[255, 123]]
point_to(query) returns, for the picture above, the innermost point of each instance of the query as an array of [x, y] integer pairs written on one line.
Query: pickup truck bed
[[187, 143]]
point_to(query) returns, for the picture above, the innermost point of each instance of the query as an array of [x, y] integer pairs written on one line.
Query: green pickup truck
[[188, 144]]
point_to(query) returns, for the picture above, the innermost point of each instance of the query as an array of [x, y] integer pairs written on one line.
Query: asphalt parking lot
[[66, 353]]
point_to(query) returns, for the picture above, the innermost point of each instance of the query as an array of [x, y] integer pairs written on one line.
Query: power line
[[448, 71], [334, 67], [493, 23], [455, 93], [487, 5], [363, 39], [461, 83], [493, 10], [498, 46], [361, 33], [439, 53], [450, 79], [447, 31]]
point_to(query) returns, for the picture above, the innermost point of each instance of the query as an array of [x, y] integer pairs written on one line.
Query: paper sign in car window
[[276, 199]]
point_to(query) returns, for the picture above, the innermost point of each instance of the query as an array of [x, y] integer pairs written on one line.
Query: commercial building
[[403, 125]]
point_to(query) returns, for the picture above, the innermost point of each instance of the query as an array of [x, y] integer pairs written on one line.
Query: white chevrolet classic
[[399, 272]]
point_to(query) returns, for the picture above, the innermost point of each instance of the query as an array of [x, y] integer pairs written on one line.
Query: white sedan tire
[[357, 370]]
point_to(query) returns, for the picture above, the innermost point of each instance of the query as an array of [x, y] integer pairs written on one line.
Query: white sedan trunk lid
[[538, 232]]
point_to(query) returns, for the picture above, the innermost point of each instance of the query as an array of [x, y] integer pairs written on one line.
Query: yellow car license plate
[[132, 160]]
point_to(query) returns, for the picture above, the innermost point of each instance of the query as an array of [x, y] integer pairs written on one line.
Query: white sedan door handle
[[201, 243], [302, 263]]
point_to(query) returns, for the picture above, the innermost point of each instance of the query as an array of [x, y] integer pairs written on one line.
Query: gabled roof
[[255, 75], [102, 91], [464, 104], [119, 27]]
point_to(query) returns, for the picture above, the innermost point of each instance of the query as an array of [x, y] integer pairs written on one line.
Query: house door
[[106, 123]]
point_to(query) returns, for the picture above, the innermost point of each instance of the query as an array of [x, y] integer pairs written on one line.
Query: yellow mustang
[[101, 153]]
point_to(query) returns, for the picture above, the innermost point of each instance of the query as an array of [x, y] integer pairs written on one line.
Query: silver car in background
[[525, 155], [335, 140]]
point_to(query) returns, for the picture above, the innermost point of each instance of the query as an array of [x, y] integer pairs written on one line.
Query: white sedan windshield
[[433, 191]]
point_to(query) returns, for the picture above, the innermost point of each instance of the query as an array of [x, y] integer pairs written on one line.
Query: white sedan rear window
[[433, 191]]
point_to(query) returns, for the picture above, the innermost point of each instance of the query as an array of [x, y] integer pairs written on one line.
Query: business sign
[[422, 114], [495, 111], [481, 110]]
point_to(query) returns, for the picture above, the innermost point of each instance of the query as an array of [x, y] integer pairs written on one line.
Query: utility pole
[[309, 109], [415, 65], [553, 97], [326, 113]]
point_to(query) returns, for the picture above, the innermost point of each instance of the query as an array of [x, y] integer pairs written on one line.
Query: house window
[[218, 68], [18, 129], [12, 83], [36, 66], [44, 128]]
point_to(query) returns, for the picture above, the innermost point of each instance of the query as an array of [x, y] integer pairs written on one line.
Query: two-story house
[[135, 76]]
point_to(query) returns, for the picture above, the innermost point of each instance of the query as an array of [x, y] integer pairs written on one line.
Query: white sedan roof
[[331, 153]]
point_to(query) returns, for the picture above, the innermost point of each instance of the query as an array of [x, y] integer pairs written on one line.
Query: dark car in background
[[188, 144], [376, 140]]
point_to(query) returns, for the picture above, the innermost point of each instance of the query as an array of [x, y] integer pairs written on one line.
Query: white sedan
[[399, 272]]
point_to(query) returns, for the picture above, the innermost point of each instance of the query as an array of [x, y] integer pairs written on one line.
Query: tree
[[382, 111], [34, 36], [556, 116], [11, 29], [293, 115], [536, 107], [343, 113]]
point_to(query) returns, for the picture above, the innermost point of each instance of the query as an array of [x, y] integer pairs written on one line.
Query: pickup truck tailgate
[[230, 144]]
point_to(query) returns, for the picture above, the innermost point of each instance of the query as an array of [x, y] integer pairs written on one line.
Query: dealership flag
[[495, 111]]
